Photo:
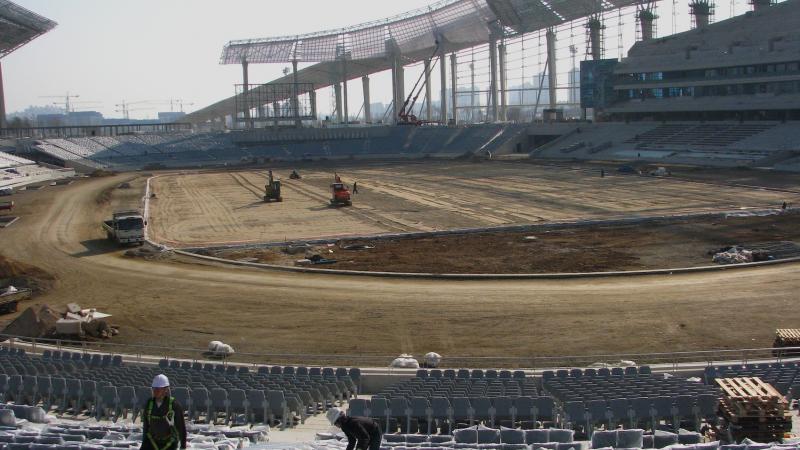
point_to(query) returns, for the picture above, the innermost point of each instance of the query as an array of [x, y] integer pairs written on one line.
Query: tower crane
[[66, 103], [125, 109]]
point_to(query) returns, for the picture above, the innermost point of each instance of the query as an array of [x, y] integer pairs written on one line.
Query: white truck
[[125, 227]]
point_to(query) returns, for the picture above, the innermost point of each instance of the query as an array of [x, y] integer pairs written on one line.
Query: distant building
[[84, 118], [51, 120], [170, 116]]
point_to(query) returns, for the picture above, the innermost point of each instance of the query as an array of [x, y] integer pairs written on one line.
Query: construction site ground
[[206, 209], [178, 302], [647, 246]]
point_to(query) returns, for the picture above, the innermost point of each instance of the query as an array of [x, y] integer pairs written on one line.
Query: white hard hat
[[160, 381], [333, 415]]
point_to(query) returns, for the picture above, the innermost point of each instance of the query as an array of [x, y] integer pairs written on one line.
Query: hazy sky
[[108, 51], [114, 50]]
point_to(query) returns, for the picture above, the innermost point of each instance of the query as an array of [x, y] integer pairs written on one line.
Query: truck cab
[[125, 227]]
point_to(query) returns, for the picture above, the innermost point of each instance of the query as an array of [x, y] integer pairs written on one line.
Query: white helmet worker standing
[[362, 433], [163, 425], [160, 381]]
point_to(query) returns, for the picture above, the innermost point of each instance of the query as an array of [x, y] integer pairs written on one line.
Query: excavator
[[272, 190], [340, 194]]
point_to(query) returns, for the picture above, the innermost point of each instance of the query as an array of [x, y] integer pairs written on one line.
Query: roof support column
[[401, 87], [493, 78], [2, 101], [503, 84], [428, 106], [367, 112], [312, 98], [453, 67], [295, 95], [245, 90], [344, 89], [443, 85], [337, 92], [551, 66]]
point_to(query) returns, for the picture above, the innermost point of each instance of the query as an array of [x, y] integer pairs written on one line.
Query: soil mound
[[21, 275], [36, 321]]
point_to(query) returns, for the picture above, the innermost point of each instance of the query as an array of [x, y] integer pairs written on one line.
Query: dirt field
[[677, 243], [208, 209], [180, 303]]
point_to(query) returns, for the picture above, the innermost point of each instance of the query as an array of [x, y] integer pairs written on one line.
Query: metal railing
[[664, 361]]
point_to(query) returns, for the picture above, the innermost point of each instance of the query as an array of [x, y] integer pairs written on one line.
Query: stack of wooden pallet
[[786, 337], [754, 409]]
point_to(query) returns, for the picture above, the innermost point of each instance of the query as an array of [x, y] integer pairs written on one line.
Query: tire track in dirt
[[216, 212], [389, 223], [241, 180]]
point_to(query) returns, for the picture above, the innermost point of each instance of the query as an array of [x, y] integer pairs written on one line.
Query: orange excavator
[[340, 194]]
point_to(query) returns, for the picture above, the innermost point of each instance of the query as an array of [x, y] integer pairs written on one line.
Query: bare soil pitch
[[226, 207]]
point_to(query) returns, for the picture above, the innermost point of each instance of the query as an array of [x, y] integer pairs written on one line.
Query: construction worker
[[362, 433], [355, 187], [163, 427]]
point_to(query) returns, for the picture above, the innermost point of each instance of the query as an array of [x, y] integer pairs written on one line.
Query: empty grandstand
[[743, 68], [134, 151]]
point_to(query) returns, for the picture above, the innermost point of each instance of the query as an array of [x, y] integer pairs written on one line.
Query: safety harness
[[169, 417]]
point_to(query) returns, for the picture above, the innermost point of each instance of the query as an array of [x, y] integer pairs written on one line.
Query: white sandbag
[[405, 361], [37, 415], [7, 418], [220, 348], [432, 359]]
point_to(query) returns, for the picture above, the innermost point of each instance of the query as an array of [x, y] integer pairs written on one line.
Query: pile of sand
[[34, 322]]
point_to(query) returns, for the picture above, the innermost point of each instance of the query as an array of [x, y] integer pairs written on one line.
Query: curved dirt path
[[156, 302]]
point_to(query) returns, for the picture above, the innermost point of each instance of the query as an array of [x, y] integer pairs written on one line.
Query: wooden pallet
[[748, 389], [788, 337], [753, 408]]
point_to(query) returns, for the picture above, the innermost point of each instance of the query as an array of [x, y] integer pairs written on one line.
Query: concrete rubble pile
[[84, 322], [734, 255], [74, 322]]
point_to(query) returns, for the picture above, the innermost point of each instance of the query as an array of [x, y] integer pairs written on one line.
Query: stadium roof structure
[[18, 26], [447, 26], [454, 24]]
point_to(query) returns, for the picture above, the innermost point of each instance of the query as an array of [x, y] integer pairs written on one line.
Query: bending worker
[[362, 433], [163, 427]]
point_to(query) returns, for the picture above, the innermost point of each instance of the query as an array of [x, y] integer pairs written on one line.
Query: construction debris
[[733, 255], [357, 247], [10, 297], [753, 409], [314, 260], [74, 322]]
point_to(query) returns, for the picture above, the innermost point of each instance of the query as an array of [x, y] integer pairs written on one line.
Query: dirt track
[[155, 302]]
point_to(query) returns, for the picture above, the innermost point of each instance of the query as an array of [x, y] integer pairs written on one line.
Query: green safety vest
[[170, 417]]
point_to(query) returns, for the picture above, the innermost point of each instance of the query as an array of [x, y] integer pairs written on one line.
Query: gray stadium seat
[[258, 406], [219, 404]]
